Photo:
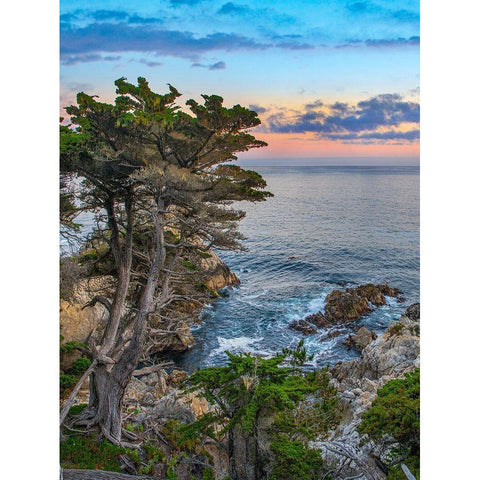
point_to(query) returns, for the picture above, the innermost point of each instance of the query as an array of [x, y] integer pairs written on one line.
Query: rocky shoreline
[[154, 395], [390, 356], [344, 307]]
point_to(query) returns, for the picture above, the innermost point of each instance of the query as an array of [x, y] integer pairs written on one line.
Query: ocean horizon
[[326, 228]]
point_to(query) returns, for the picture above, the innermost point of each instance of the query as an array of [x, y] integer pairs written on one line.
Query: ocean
[[326, 228]]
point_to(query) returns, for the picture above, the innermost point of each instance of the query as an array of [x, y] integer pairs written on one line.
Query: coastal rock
[[318, 319], [303, 326], [371, 292], [361, 339], [216, 273], [394, 353], [388, 356], [347, 306], [177, 377], [342, 307], [389, 291], [413, 311]]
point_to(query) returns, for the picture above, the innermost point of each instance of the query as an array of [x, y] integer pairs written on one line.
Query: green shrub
[[79, 366], [77, 409], [396, 413], [71, 346], [86, 452], [396, 329], [396, 472], [294, 460], [67, 381]]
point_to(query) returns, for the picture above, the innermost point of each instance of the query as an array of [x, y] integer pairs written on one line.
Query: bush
[[396, 413], [79, 366], [294, 459], [67, 381], [77, 409], [86, 452]]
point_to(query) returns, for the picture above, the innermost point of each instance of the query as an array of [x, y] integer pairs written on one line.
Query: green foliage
[[413, 464], [396, 329], [208, 474], [249, 383], [153, 456], [396, 413], [203, 287], [77, 409], [81, 451], [87, 452], [69, 347], [303, 405], [294, 460], [79, 366], [189, 265], [67, 381], [180, 438]]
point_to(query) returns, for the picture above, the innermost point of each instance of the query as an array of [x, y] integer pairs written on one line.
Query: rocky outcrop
[[413, 312], [308, 325], [361, 339], [344, 307], [303, 326], [217, 274], [77, 323], [394, 353], [353, 303]]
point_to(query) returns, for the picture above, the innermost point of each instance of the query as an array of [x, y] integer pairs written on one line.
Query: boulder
[[303, 326], [344, 307], [389, 291], [361, 339], [413, 312], [216, 273], [371, 292], [318, 319], [177, 377]]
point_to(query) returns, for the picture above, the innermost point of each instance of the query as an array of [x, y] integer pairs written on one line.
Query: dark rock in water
[[303, 326], [371, 292], [375, 294], [401, 299], [389, 291], [350, 305], [413, 312], [334, 333], [318, 319], [343, 307], [361, 339]]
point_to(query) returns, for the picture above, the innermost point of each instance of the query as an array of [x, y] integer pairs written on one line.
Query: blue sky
[[295, 61]]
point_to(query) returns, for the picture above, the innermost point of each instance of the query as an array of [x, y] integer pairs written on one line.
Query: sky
[[331, 80]]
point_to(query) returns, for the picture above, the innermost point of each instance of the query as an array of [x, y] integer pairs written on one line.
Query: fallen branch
[[152, 369], [71, 398], [69, 474]]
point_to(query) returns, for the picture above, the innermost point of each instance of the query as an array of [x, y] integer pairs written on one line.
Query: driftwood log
[[69, 474]]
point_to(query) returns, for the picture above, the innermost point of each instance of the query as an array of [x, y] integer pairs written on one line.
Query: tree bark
[[108, 382]]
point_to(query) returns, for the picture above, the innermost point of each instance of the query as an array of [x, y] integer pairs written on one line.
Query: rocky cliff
[[78, 323], [394, 353]]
